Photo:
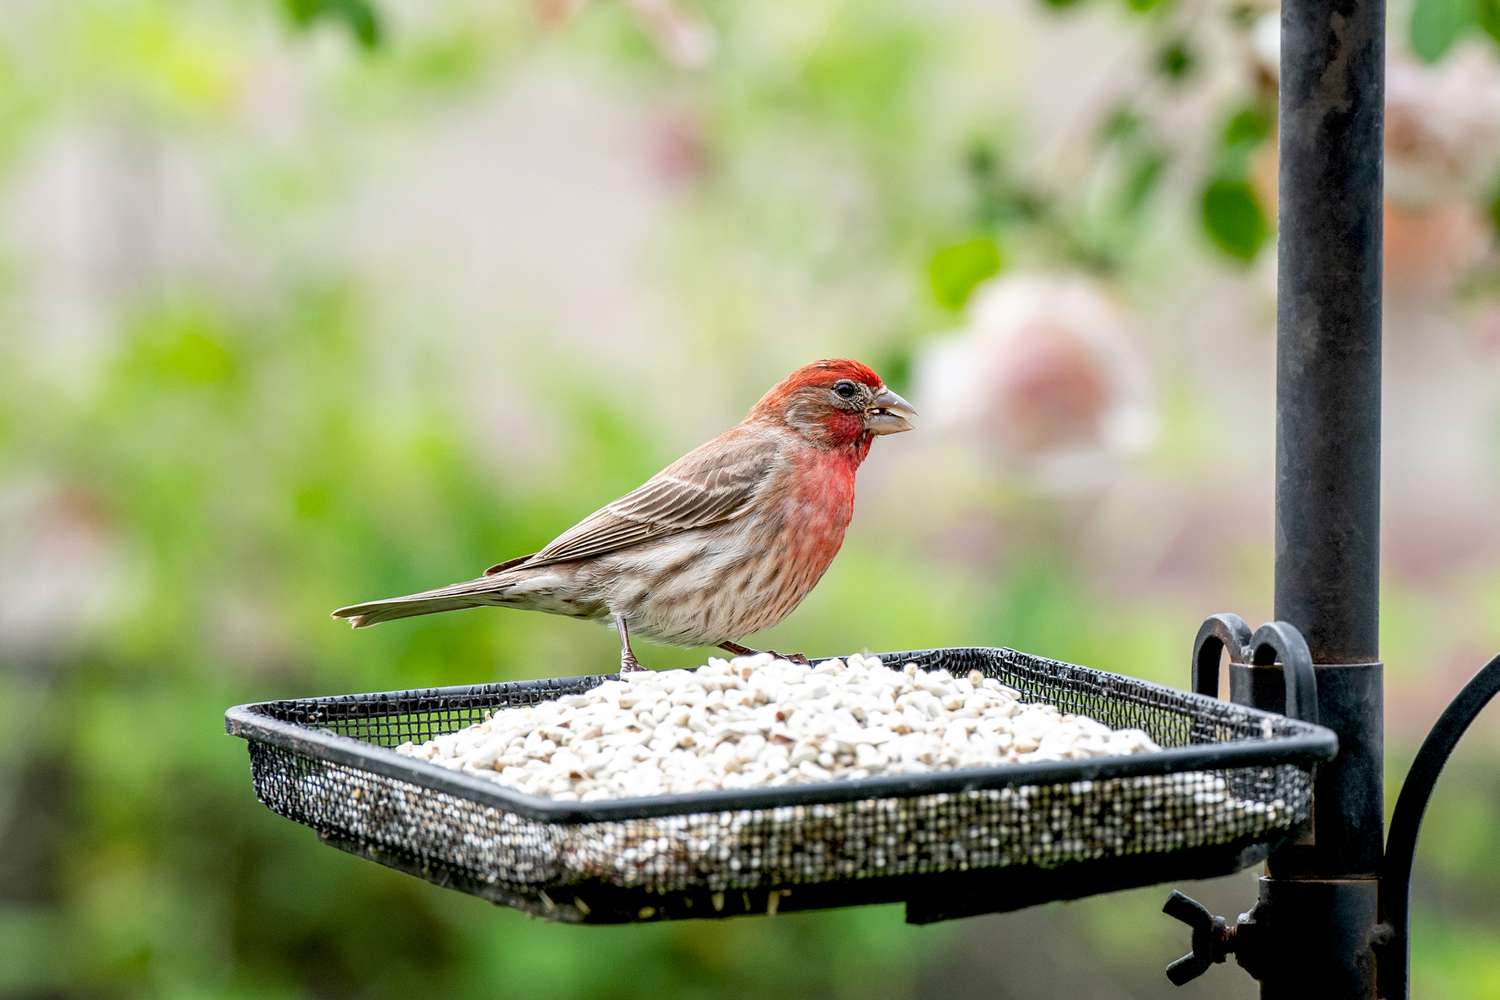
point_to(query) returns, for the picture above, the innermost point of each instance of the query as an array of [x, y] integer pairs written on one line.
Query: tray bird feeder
[[1230, 784]]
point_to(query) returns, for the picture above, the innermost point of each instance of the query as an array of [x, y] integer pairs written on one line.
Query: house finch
[[725, 541]]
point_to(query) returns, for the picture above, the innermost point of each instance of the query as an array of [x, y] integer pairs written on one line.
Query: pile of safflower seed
[[760, 721]]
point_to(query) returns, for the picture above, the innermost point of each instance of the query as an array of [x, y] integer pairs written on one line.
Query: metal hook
[[1221, 633], [1279, 642], [1275, 642]]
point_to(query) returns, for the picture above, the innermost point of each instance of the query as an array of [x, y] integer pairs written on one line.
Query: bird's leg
[[628, 662], [738, 650]]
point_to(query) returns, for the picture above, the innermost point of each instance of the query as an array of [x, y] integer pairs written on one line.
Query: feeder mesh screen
[[544, 866]]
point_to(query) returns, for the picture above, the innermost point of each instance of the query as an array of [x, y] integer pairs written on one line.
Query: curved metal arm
[[1406, 823]]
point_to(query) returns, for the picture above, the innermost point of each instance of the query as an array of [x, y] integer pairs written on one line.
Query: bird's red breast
[[822, 502]]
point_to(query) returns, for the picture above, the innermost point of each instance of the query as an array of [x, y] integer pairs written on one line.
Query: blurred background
[[309, 301]]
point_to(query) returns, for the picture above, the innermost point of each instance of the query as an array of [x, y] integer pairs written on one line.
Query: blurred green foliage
[[1232, 212], [1437, 24], [1233, 218], [1434, 26], [956, 269], [358, 16]]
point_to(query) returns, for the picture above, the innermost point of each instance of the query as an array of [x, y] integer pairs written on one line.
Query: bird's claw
[[736, 649], [630, 665]]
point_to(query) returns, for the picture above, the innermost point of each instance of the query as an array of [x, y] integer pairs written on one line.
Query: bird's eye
[[846, 389]]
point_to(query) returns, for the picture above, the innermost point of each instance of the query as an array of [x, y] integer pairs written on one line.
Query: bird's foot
[[738, 650], [628, 663]]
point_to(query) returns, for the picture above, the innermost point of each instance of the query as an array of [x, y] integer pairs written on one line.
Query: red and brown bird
[[723, 542]]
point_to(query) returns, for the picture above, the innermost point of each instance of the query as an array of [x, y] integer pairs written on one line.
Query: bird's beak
[[888, 413]]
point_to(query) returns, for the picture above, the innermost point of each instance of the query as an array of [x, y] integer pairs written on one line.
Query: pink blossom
[[1442, 125], [1430, 248], [1044, 377], [1442, 122]]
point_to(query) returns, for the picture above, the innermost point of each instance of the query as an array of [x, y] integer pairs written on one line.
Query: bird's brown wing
[[715, 482]]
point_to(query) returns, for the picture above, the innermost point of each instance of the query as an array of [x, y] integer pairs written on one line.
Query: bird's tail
[[469, 594]]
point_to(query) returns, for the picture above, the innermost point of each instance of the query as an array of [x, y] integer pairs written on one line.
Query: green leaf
[[1487, 16], [981, 160], [1243, 133], [1176, 60], [1234, 219], [358, 16], [1436, 24], [1142, 181], [955, 270], [1122, 124], [1248, 126]]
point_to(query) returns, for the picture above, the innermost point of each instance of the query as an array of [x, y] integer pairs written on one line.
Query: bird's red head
[[836, 403]]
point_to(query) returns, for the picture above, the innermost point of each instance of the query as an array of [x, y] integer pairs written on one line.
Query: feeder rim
[[1305, 742]]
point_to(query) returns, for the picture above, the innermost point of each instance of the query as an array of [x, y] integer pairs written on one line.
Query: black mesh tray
[[1230, 784]]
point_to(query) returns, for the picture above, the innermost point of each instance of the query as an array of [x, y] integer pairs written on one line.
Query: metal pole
[[1322, 895]]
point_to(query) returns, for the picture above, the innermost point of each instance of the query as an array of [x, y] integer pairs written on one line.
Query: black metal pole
[[1321, 895], [1328, 326]]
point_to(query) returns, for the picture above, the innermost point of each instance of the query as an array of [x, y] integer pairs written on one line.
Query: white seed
[[758, 721]]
